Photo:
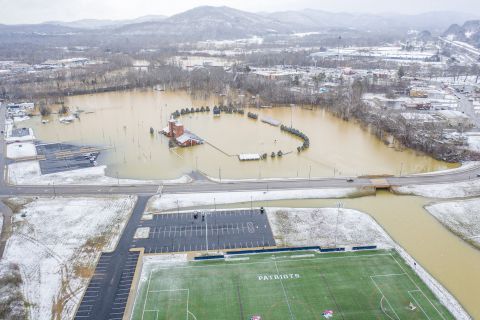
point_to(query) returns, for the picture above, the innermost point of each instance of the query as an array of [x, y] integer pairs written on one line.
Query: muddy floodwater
[[122, 121], [450, 260]]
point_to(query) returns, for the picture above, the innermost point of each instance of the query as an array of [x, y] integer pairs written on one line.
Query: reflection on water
[[123, 120], [449, 259]]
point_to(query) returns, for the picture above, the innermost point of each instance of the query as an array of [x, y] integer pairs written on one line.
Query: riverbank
[[29, 173], [174, 201], [460, 217], [462, 189]]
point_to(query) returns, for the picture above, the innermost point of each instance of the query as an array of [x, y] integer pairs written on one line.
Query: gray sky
[[34, 11]]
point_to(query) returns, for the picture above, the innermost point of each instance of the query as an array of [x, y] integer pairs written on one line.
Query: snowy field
[[56, 242], [309, 227], [443, 191], [21, 150], [28, 172], [171, 201], [474, 143], [461, 217]]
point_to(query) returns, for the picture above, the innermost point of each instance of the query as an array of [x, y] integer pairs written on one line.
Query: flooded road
[[449, 259], [122, 120]]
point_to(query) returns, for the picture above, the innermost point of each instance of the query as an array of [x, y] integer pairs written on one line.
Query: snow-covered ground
[[12, 305], [21, 150], [474, 142], [308, 227], [463, 167], [171, 201], [461, 217], [56, 241], [8, 133], [469, 188], [28, 172]]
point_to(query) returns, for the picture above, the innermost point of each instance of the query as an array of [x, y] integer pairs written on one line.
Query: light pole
[[178, 207], [339, 205]]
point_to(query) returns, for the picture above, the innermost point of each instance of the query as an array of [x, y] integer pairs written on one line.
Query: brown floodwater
[[450, 260], [122, 120]]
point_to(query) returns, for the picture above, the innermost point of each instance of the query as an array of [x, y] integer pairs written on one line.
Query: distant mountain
[[220, 23], [469, 32], [40, 29], [99, 24], [208, 22], [314, 19]]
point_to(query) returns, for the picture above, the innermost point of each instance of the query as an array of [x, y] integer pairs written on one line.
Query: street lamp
[[339, 205]]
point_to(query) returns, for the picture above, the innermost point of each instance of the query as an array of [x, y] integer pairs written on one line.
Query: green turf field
[[300, 285]]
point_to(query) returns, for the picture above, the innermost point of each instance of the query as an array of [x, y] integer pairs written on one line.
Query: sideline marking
[[418, 304], [418, 288]]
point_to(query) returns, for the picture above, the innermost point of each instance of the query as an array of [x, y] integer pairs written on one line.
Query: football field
[[299, 285]]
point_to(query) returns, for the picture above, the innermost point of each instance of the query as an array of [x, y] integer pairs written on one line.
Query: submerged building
[[182, 137]]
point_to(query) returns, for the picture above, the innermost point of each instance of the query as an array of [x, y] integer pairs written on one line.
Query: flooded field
[[122, 121], [449, 259]]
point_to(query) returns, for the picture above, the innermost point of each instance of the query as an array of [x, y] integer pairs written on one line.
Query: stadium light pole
[[339, 205]]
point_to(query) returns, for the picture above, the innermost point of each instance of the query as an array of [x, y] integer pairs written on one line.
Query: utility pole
[[339, 205]]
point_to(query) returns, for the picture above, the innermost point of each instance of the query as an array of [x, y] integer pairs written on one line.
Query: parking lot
[[61, 157], [99, 283], [202, 230]]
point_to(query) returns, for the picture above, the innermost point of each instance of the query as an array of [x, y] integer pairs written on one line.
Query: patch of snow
[[468, 165], [328, 227], [20, 119], [28, 172], [52, 240], [474, 143], [21, 150], [142, 233], [170, 201], [462, 217], [462, 189]]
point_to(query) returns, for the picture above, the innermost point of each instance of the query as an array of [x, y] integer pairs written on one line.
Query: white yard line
[[285, 293], [418, 304], [146, 298]]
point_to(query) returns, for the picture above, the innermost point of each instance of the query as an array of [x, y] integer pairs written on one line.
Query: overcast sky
[[34, 11]]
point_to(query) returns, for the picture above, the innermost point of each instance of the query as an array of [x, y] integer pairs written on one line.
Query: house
[[182, 137]]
